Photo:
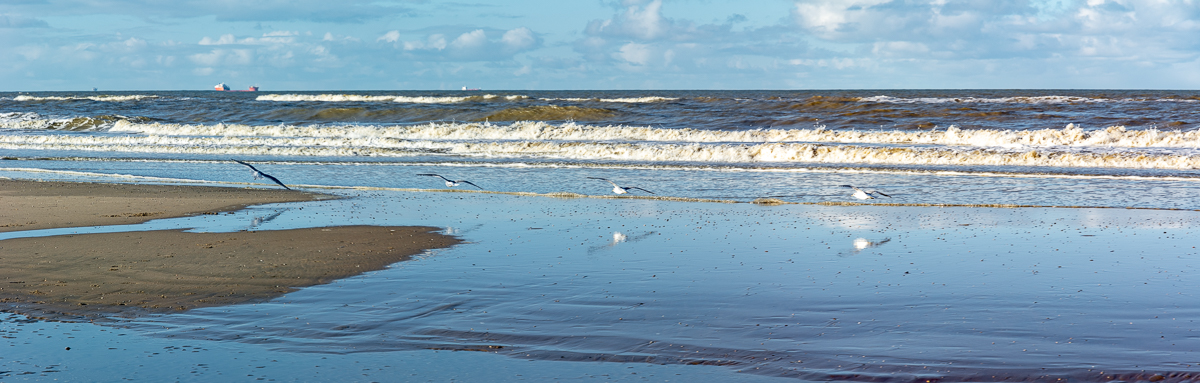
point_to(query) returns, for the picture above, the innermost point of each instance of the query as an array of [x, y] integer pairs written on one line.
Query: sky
[[75, 45]]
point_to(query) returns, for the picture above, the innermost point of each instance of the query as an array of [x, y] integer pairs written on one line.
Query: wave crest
[[33, 121], [627, 100], [797, 153], [105, 98], [399, 99], [1071, 136]]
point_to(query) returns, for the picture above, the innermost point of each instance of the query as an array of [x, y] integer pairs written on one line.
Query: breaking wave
[[444, 99], [1015, 100], [798, 153], [628, 100], [1070, 136], [33, 121], [92, 98], [399, 99]]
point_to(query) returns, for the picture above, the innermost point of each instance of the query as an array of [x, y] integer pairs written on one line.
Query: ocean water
[[1029, 235], [1036, 148]]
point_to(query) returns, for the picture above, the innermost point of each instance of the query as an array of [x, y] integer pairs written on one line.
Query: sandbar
[[33, 205], [132, 273]]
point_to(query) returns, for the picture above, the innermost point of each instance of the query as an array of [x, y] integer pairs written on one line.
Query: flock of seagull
[[617, 189]]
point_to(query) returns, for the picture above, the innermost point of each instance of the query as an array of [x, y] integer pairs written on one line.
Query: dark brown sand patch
[[171, 270]]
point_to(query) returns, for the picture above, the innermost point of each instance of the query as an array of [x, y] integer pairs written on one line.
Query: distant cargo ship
[[225, 88], [466, 88]]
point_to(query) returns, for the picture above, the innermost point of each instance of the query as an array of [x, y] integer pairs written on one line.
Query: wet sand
[[33, 205], [173, 270]]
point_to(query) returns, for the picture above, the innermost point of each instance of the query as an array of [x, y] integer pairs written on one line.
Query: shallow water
[[816, 292], [796, 185], [693, 280]]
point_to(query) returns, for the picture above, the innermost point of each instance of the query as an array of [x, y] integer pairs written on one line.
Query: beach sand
[[173, 270], [33, 205]]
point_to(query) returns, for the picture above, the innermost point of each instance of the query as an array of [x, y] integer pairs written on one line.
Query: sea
[[1018, 235]]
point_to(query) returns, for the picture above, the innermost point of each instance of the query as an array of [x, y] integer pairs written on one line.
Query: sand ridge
[[173, 270], [33, 205], [130, 273]]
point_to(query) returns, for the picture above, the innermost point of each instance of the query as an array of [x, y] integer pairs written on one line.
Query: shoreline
[[132, 273]]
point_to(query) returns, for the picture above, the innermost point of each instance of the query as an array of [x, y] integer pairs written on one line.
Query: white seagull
[[259, 175], [860, 194], [449, 182], [618, 189]]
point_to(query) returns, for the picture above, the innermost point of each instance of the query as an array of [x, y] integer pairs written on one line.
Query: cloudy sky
[[598, 44]]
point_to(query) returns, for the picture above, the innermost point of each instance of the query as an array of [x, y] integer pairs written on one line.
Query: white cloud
[[984, 29], [344, 39], [432, 42], [135, 42], [640, 38], [391, 37], [519, 38], [472, 40], [634, 53], [639, 20], [223, 40], [475, 45], [825, 43], [218, 57]]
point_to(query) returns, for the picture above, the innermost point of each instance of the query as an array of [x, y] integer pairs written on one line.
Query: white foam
[[795, 153], [93, 98], [366, 98], [621, 100], [1071, 136], [1013, 100]]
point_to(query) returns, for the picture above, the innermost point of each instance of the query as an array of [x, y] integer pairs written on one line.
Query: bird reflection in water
[[619, 237], [451, 230], [261, 219], [861, 244]]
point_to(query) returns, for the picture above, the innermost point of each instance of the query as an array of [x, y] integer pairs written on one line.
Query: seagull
[[259, 175], [449, 182], [860, 194], [619, 189]]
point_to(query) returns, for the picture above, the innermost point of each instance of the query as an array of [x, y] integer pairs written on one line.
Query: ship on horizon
[[225, 88]]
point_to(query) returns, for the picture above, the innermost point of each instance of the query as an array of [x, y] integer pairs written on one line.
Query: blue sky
[[598, 44]]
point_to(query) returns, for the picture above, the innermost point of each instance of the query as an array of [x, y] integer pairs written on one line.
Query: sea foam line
[[1071, 135], [627, 100], [1014, 100], [398, 99], [721, 153], [113, 98]]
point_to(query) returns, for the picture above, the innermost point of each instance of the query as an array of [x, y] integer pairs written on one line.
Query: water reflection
[[619, 237], [458, 230], [264, 218], [861, 244], [521, 287]]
